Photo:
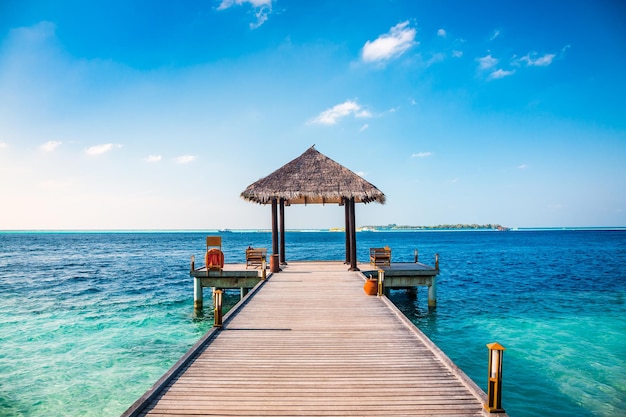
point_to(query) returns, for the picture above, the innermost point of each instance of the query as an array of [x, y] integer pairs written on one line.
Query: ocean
[[90, 320]]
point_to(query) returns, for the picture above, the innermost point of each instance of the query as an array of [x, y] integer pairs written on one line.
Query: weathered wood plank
[[311, 343]]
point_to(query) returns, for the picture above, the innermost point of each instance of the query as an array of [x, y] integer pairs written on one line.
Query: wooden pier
[[309, 342]]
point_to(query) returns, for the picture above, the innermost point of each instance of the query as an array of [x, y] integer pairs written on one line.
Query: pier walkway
[[309, 342]]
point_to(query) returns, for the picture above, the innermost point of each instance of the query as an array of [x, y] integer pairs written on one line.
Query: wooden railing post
[[217, 310], [494, 380]]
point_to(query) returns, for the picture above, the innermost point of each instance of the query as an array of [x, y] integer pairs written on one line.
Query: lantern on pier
[[494, 388]]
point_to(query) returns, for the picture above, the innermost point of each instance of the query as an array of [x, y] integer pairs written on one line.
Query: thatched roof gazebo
[[312, 178]]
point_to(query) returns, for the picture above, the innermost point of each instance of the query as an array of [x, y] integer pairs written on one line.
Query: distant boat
[[225, 231]]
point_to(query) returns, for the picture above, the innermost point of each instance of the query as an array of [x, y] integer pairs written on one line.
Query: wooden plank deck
[[309, 342]]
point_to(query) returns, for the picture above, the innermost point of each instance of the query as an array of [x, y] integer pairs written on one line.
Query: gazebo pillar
[[353, 266], [274, 261], [282, 231], [346, 204]]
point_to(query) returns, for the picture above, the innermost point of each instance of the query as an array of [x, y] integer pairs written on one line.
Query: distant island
[[437, 227]]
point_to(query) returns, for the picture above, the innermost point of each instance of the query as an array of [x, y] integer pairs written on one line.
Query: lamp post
[[494, 388], [217, 308]]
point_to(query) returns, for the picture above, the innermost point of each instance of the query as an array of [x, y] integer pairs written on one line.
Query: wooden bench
[[255, 256], [380, 256]]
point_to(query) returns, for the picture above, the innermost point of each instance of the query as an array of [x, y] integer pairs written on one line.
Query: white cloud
[[262, 9], [50, 146], [523, 166], [541, 61], [390, 45], [421, 155], [3, 145], [437, 57], [500, 73], [442, 33], [495, 34], [361, 173], [101, 149], [331, 116], [486, 62], [153, 158], [254, 3], [185, 159], [364, 127], [457, 54]]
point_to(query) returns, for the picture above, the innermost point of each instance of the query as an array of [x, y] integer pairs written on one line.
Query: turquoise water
[[89, 321]]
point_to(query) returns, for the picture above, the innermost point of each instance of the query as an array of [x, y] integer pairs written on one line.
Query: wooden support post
[[193, 262], [274, 258], [494, 381], [217, 308], [346, 205], [416, 256], [353, 266], [263, 269], [432, 293], [282, 231], [242, 292], [197, 294], [437, 261]]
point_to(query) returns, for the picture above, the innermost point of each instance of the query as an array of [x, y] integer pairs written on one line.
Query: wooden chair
[[380, 256], [255, 256], [214, 257]]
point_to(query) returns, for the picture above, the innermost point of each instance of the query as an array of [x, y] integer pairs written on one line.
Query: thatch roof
[[312, 178]]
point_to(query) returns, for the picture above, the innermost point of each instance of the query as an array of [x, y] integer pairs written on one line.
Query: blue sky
[[141, 114]]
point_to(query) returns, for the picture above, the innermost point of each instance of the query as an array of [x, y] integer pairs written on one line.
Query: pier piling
[[197, 294]]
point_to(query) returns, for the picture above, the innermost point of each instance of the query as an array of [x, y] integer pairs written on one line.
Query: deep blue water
[[89, 321]]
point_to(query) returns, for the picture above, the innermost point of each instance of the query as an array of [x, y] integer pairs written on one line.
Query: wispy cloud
[[153, 158], [495, 34], [339, 111], [534, 61], [421, 155], [262, 9], [500, 73], [361, 173], [486, 62], [390, 45], [3, 145], [457, 54], [442, 33], [435, 58], [50, 146], [522, 166], [364, 127], [185, 159], [101, 149]]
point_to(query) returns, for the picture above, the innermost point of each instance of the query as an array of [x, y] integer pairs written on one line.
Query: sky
[[145, 114]]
